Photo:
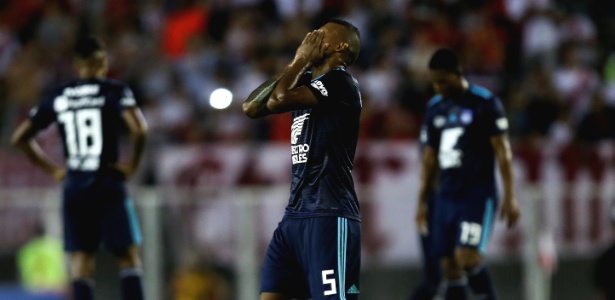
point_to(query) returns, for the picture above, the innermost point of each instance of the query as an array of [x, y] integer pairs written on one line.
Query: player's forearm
[[138, 148], [503, 154], [506, 172], [504, 157], [287, 82], [255, 106], [425, 183], [428, 166], [37, 156]]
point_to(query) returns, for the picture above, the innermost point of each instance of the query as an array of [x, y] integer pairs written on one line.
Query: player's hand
[[312, 49], [421, 218], [510, 212], [126, 170], [58, 174]]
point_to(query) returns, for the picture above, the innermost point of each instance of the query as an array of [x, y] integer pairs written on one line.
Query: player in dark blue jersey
[[464, 133], [96, 209], [315, 251]]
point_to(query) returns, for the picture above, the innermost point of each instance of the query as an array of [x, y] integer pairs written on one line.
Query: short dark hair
[[445, 60], [354, 41], [86, 47]]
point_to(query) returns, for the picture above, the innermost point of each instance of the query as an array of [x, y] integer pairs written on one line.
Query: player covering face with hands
[[464, 133], [315, 251]]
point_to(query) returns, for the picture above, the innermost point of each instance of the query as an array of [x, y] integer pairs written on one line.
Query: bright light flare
[[220, 98]]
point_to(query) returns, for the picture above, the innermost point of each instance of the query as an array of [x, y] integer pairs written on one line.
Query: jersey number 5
[[83, 135], [330, 281], [448, 156]]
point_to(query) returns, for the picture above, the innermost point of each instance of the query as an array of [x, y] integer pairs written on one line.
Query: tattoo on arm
[[256, 104]]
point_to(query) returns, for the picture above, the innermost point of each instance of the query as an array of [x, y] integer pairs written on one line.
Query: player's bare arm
[[510, 209], [255, 106], [428, 168], [286, 95], [23, 139], [138, 134]]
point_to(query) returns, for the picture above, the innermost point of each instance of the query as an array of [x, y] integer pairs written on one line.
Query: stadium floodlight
[[220, 98]]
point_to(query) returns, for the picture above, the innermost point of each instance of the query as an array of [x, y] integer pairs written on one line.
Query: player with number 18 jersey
[[96, 206]]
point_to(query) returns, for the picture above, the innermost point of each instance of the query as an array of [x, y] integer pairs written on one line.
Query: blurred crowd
[[551, 61]]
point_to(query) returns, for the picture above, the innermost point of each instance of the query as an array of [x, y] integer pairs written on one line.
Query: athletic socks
[[481, 284], [455, 289], [131, 286], [83, 289]]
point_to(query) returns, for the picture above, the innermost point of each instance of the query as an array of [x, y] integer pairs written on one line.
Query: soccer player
[[96, 209], [464, 133], [315, 251]]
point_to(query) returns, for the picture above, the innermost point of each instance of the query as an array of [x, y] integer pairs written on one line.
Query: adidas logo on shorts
[[352, 290]]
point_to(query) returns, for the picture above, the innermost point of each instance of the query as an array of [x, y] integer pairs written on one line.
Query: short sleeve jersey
[[323, 145], [460, 132], [88, 113]]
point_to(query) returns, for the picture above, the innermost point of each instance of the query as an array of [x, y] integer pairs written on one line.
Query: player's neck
[[463, 87], [326, 66], [90, 74]]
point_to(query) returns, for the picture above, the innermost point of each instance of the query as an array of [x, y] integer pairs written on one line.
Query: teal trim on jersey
[[452, 118], [435, 99], [342, 241], [134, 223], [487, 224], [320, 76], [481, 92]]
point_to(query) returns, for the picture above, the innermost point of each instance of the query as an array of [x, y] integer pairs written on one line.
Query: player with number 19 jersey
[[89, 117], [460, 130]]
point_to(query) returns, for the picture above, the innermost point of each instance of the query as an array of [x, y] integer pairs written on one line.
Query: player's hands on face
[[312, 49], [421, 218], [58, 174], [510, 212]]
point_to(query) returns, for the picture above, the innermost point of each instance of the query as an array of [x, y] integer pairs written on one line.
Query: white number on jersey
[[83, 135], [330, 281], [470, 233], [450, 157]]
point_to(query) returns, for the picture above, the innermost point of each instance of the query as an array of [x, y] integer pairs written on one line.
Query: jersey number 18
[[83, 137]]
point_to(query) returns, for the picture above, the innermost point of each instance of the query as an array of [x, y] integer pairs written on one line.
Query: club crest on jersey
[[466, 116], [320, 87], [60, 103], [439, 121], [502, 123]]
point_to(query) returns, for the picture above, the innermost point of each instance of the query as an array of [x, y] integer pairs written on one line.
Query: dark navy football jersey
[[88, 113], [323, 144], [459, 130]]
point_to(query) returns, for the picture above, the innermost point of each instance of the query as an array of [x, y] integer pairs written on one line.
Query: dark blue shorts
[[98, 213], [317, 258], [463, 224]]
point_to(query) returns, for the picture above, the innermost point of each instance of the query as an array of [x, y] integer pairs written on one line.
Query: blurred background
[[214, 183]]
